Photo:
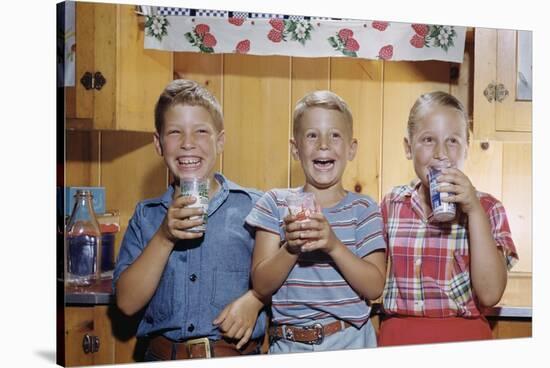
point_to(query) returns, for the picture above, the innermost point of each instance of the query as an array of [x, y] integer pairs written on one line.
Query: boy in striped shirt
[[320, 273]]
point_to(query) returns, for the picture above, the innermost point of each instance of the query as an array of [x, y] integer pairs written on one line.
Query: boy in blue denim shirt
[[194, 286]]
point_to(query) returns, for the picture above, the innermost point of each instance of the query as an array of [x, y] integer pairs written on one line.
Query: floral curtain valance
[[214, 31]]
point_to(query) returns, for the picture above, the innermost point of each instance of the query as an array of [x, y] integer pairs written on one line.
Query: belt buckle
[[202, 340], [320, 334]]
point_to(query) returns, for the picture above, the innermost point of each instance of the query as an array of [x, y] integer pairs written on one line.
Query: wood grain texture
[[82, 158], [517, 199], [484, 167], [131, 171], [404, 82], [484, 74], [257, 119], [359, 83], [141, 74], [84, 61], [78, 322], [308, 74]]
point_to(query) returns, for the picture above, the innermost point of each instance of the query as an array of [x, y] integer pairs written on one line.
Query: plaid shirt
[[429, 268]]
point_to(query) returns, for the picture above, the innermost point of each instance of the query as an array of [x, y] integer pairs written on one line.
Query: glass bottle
[[83, 244]]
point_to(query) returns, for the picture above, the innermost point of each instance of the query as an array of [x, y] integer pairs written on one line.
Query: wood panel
[[508, 328], [484, 74], [359, 83], [102, 329], [308, 74], [83, 99], [131, 171], [404, 82], [78, 322], [484, 167], [141, 74], [105, 61], [82, 158], [510, 114], [257, 119], [519, 290], [517, 199], [205, 69]]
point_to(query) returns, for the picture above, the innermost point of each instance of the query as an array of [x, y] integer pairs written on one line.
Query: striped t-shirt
[[315, 289]]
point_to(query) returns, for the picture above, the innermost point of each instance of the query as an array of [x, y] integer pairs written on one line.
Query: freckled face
[[189, 142], [439, 139], [323, 145]]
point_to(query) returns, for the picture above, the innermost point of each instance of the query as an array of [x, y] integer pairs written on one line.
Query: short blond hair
[[427, 102], [187, 92], [324, 99]]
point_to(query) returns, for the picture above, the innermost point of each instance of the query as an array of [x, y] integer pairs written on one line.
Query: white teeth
[[188, 161]]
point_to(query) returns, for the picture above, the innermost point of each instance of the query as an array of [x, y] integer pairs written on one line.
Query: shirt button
[[191, 328], [193, 278], [418, 261]]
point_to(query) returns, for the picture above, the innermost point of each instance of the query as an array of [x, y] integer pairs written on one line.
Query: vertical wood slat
[[141, 74], [256, 105], [484, 167], [84, 62], [359, 83], [82, 158], [131, 171], [205, 69], [510, 114], [484, 74], [308, 74], [102, 329], [517, 199], [78, 322], [404, 82]]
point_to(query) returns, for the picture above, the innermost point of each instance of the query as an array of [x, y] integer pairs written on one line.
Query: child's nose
[[323, 143], [440, 151], [187, 141]]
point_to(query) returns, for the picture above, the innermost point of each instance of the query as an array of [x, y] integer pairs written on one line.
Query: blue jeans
[[348, 338]]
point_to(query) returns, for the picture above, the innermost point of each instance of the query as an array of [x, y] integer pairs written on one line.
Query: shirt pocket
[[162, 303], [228, 286]]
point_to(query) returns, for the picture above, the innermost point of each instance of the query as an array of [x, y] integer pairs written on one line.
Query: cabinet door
[[92, 322], [506, 119]]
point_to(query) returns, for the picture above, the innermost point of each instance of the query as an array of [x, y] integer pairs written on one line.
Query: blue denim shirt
[[202, 276]]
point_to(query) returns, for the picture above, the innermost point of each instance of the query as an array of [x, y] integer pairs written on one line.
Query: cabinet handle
[[490, 92], [93, 81], [501, 92], [90, 344]]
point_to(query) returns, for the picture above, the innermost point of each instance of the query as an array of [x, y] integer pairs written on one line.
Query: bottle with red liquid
[[83, 243]]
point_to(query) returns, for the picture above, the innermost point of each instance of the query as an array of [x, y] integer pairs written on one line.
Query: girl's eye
[[427, 139], [172, 132], [453, 140], [311, 135], [335, 135], [202, 131]]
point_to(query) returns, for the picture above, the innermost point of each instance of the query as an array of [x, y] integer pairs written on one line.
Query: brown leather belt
[[167, 349], [313, 334]]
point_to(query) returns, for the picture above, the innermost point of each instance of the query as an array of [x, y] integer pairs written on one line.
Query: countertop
[[102, 293]]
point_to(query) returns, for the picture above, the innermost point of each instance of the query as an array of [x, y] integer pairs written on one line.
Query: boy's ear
[[294, 149], [353, 149], [158, 143], [407, 146], [220, 141]]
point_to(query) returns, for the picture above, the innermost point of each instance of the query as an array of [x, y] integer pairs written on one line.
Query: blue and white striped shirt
[[315, 289]]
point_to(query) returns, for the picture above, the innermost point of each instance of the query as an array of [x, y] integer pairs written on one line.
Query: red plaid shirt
[[429, 268]]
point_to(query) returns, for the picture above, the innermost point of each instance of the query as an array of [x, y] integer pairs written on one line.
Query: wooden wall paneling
[[509, 328], [519, 290], [256, 92], [404, 82], [462, 83], [131, 171], [81, 104], [78, 322], [517, 199], [141, 74], [206, 69], [510, 114], [484, 167], [102, 329], [82, 158], [105, 61], [484, 74], [308, 74], [359, 83]]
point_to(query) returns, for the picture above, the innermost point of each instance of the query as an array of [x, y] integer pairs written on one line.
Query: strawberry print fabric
[[211, 31]]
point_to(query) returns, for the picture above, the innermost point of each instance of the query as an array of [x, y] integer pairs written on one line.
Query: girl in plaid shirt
[[442, 274]]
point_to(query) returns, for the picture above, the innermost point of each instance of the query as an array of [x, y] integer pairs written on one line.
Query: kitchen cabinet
[[498, 113], [117, 80]]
